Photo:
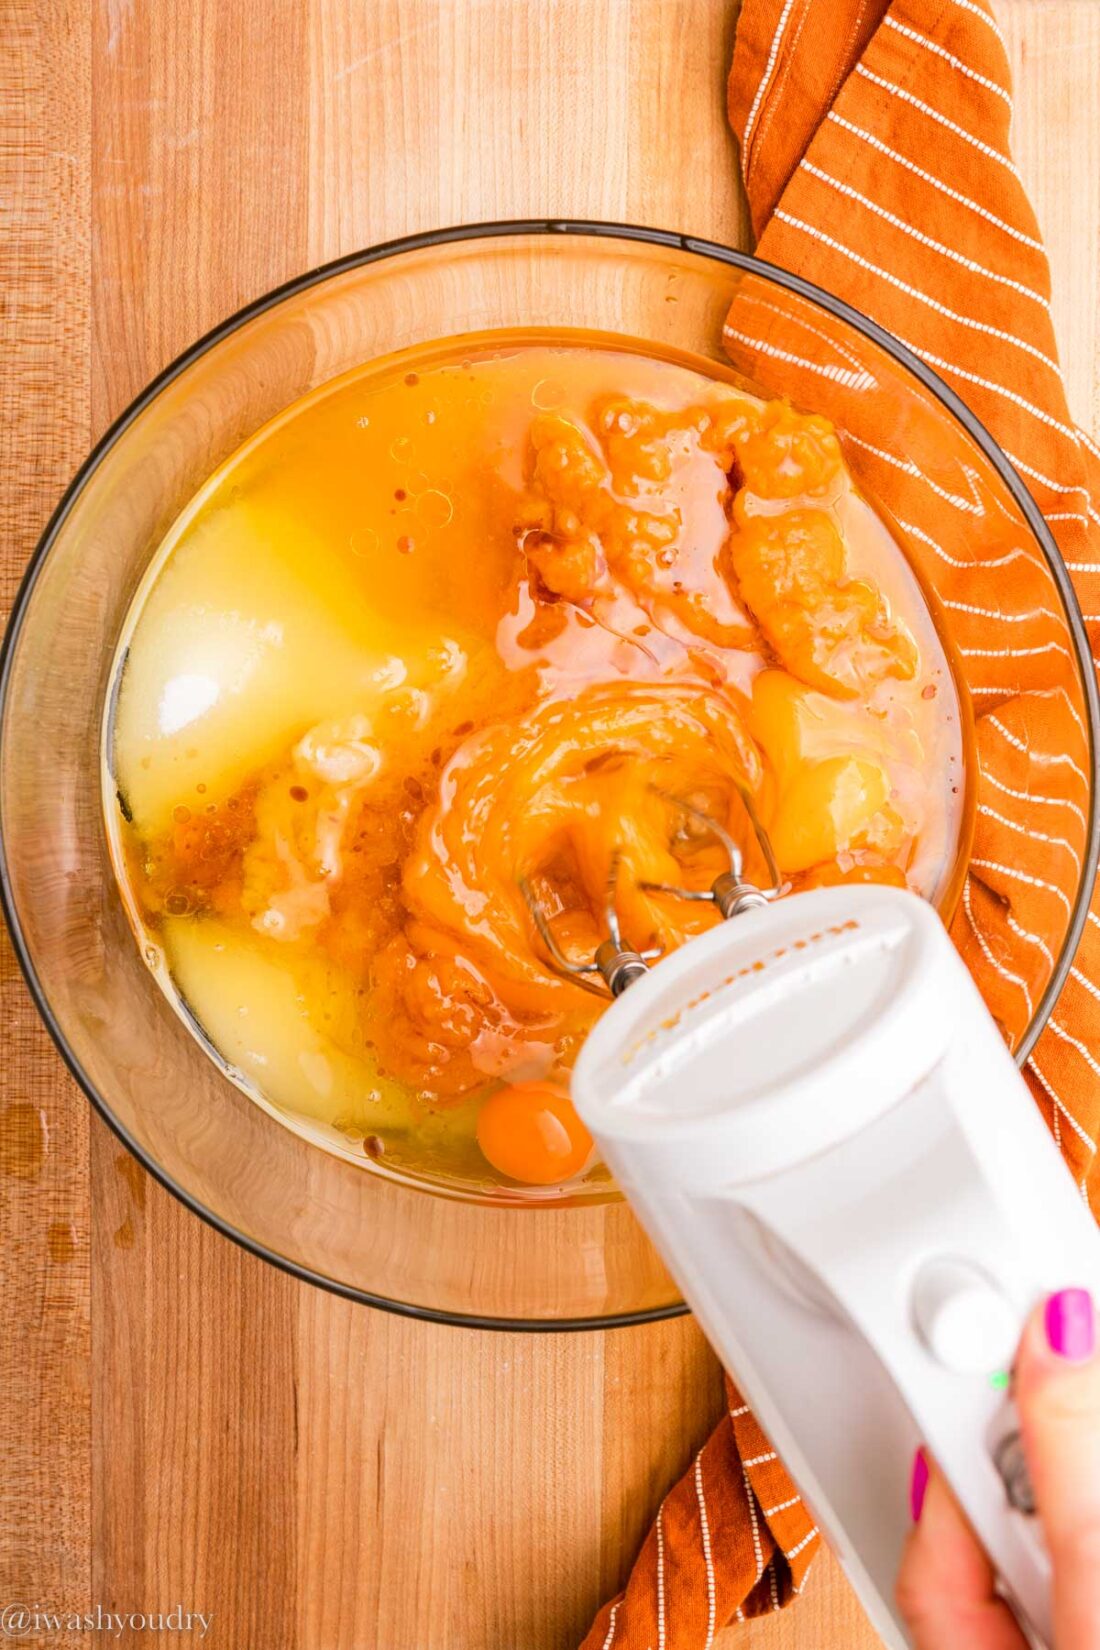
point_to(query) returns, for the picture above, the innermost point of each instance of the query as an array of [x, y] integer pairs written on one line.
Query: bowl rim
[[504, 229]]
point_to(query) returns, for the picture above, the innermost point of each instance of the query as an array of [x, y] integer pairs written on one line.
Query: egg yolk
[[530, 1132]]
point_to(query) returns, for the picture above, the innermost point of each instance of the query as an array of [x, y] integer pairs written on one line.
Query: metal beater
[[618, 964]]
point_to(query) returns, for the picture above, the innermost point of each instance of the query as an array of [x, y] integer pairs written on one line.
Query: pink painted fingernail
[[918, 1484], [1071, 1325]]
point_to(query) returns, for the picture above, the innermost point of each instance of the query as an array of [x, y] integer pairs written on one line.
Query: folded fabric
[[875, 153]]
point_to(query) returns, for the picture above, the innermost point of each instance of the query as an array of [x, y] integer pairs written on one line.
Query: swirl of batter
[[553, 798]]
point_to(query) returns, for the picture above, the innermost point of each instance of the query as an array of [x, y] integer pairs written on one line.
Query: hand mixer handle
[[817, 1121], [929, 1317]]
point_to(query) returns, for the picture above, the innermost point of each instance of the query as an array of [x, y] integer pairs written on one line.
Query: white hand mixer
[[815, 1118]]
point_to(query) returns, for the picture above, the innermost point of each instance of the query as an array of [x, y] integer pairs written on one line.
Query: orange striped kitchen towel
[[875, 151]]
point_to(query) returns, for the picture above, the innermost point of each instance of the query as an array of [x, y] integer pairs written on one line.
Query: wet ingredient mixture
[[487, 613]]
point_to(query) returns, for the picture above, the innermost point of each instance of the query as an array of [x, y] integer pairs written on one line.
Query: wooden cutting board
[[179, 1424]]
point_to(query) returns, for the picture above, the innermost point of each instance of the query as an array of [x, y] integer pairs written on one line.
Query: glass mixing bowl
[[958, 505]]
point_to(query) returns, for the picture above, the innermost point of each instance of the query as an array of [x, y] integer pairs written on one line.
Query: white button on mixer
[[963, 1319]]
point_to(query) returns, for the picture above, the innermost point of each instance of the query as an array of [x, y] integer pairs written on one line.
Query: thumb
[[1057, 1392]]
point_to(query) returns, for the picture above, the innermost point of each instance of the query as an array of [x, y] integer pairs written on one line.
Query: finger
[[945, 1584], [1057, 1391]]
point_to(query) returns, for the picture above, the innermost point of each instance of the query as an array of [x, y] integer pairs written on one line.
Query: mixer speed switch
[[1011, 1463], [963, 1319]]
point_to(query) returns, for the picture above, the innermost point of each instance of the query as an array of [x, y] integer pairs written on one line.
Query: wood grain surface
[[179, 1424]]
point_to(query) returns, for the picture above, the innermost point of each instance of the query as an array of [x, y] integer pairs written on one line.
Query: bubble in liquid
[[547, 394], [434, 508], [363, 423], [401, 449], [363, 542]]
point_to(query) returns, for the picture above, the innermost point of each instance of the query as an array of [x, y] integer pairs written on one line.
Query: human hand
[[945, 1588]]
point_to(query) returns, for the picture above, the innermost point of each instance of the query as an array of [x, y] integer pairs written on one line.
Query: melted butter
[[465, 616]]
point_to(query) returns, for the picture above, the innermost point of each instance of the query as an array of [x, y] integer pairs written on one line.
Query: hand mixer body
[[816, 1119]]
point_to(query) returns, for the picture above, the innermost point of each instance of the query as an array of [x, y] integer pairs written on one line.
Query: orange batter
[[675, 593]]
